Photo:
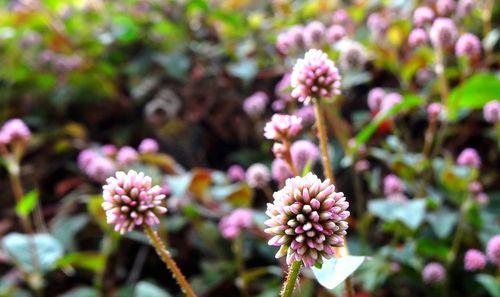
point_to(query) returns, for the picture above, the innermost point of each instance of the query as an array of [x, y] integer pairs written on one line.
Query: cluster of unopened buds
[[14, 137]]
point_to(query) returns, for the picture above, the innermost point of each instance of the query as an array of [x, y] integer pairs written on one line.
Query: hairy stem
[[291, 279], [167, 259]]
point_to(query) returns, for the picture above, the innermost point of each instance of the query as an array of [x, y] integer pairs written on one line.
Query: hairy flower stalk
[[130, 200], [307, 221]]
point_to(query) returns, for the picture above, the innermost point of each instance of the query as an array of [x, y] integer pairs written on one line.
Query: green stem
[[443, 82], [108, 246], [457, 238], [240, 264], [167, 259], [293, 274]]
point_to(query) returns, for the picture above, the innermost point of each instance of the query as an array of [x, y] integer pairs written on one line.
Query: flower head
[[282, 88], [393, 185], [314, 33], [354, 56], [434, 110], [464, 7], [433, 273], [131, 200], [100, 168], [375, 98], [390, 100], [468, 45], [149, 145], [232, 224], [126, 156], [307, 220], [15, 130], [255, 105], [280, 170], [443, 33], [474, 260], [306, 113], [236, 173], [377, 24], [418, 37], [315, 76], [109, 150], [493, 250], [335, 33], [304, 152], [491, 112], [469, 157], [258, 175], [283, 127], [445, 7], [423, 15]]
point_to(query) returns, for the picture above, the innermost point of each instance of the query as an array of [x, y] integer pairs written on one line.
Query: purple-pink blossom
[[236, 173], [306, 113], [377, 24], [307, 220], [375, 98], [255, 105], [232, 224], [15, 130], [280, 170], [390, 100], [491, 112], [393, 185], [258, 175], [314, 77], [434, 111], [423, 15], [304, 152], [283, 127], [469, 157], [474, 260], [126, 156], [468, 45], [131, 200], [335, 33], [314, 34], [445, 7], [417, 37], [148, 145], [433, 273], [493, 250], [443, 33]]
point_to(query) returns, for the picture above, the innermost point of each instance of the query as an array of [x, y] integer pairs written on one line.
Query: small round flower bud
[[304, 152], [354, 56], [443, 33], [307, 220], [280, 170], [279, 150], [433, 273], [149, 146], [493, 250], [375, 98], [236, 173], [377, 24], [335, 33], [445, 7], [258, 176], [131, 200], [232, 224], [469, 157], [315, 76], [464, 7], [474, 260], [306, 113], [468, 45], [393, 185], [126, 156], [423, 15], [491, 112], [15, 130], [283, 127], [390, 100], [255, 105], [434, 111], [418, 37], [314, 34], [109, 150]]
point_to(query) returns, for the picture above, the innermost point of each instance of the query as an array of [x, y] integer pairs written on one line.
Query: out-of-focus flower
[[469, 157], [131, 200], [164, 107], [236, 173], [307, 220], [377, 24], [306, 113], [148, 145], [283, 127], [255, 105], [282, 89], [362, 165], [283, 42], [493, 250], [315, 76], [109, 150], [474, 260], [491, 112], [353, 56], [304, 152], [468, 45], [423, 15], [314, 34], [482, 198], [238, 220], [85, 157], [434, 111], [335, 33], [296, 34], [100, 168], [126, 156], [15, 130], [341, 17], [445, 7], [390, 100], [258, 175], [279, 150], [443, 33], [418, 37], [375, 98], [475, 187], [395, 267], [280, 170], [393, 185], [464, 7], [433, 273]]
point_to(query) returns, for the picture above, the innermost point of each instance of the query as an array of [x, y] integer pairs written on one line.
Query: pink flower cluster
[[258, 176], [283, 127], [474, 260], [131, 200], [433, 273], [100, 162], [379, 100], [255, 105], [493, 250], [307, 220], [315, 77], [491, 112], [14, 131], [469, 157], [238, 220], [394, 188]]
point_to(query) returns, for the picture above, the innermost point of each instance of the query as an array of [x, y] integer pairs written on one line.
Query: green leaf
[[334, 271], [244, 70], [19, 248], [410, 213], [92, 261], [409, 101], [442, 222], [473, 93], [147, 289], [65, 228], [489, 283], [27, 203]]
